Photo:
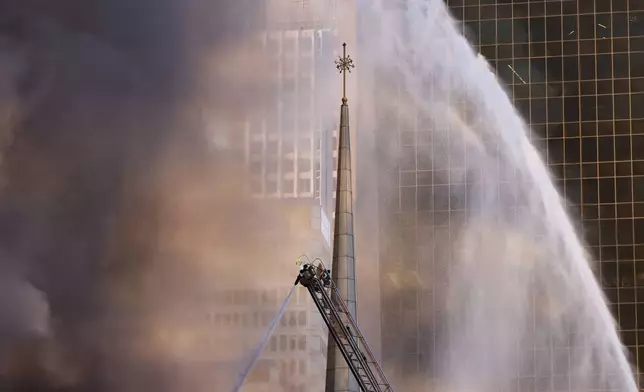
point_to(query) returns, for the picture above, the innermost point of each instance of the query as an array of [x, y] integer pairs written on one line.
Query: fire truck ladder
[[344, 330]]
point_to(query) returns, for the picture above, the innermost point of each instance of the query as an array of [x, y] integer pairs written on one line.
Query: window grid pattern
[[575, 70], [588, 57], [284, 148], [293, 354], [424, 212], [308, 14]]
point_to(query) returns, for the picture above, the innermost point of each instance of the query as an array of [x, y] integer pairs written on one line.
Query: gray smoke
[[94, 96], [27, 307]]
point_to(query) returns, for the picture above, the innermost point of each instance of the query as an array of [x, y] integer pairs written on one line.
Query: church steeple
[[339, 377]]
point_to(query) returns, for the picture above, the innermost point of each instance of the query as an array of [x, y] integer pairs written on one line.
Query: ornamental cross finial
[[344, 64]]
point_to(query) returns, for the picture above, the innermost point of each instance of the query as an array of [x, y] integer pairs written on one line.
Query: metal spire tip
[[343, 64]]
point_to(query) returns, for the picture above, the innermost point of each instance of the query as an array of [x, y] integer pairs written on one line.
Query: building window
[[272, 147], [256, 148], [301, 343], [244, 320], [273, 343], [266, 319], [288, 185], [304, 185], [306, 43], [255, 167], [271, 186], [302, 367], [305, 146], [301, 318], [304, 164]]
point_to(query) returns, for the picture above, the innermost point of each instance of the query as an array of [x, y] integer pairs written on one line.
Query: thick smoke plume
[[112, 201]]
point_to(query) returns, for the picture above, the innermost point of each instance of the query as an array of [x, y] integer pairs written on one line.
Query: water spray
[[262, 344]]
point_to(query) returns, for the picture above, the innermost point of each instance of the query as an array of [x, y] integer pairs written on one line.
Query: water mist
[[523, 307], [262, 344]]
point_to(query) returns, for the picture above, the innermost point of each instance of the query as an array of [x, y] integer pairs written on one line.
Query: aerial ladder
[[344, 330]]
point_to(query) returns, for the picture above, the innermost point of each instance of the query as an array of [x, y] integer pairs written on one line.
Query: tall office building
[[574, 70]]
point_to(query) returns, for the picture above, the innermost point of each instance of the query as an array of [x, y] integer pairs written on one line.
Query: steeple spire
[[343, 270], [344, 64]]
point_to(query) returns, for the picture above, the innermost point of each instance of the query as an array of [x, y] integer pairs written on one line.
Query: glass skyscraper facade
[[575, 71]]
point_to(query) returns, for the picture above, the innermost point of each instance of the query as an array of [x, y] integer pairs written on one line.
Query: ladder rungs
[[336, 316]]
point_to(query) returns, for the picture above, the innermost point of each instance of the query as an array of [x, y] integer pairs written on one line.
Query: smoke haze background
[[121, 194]]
